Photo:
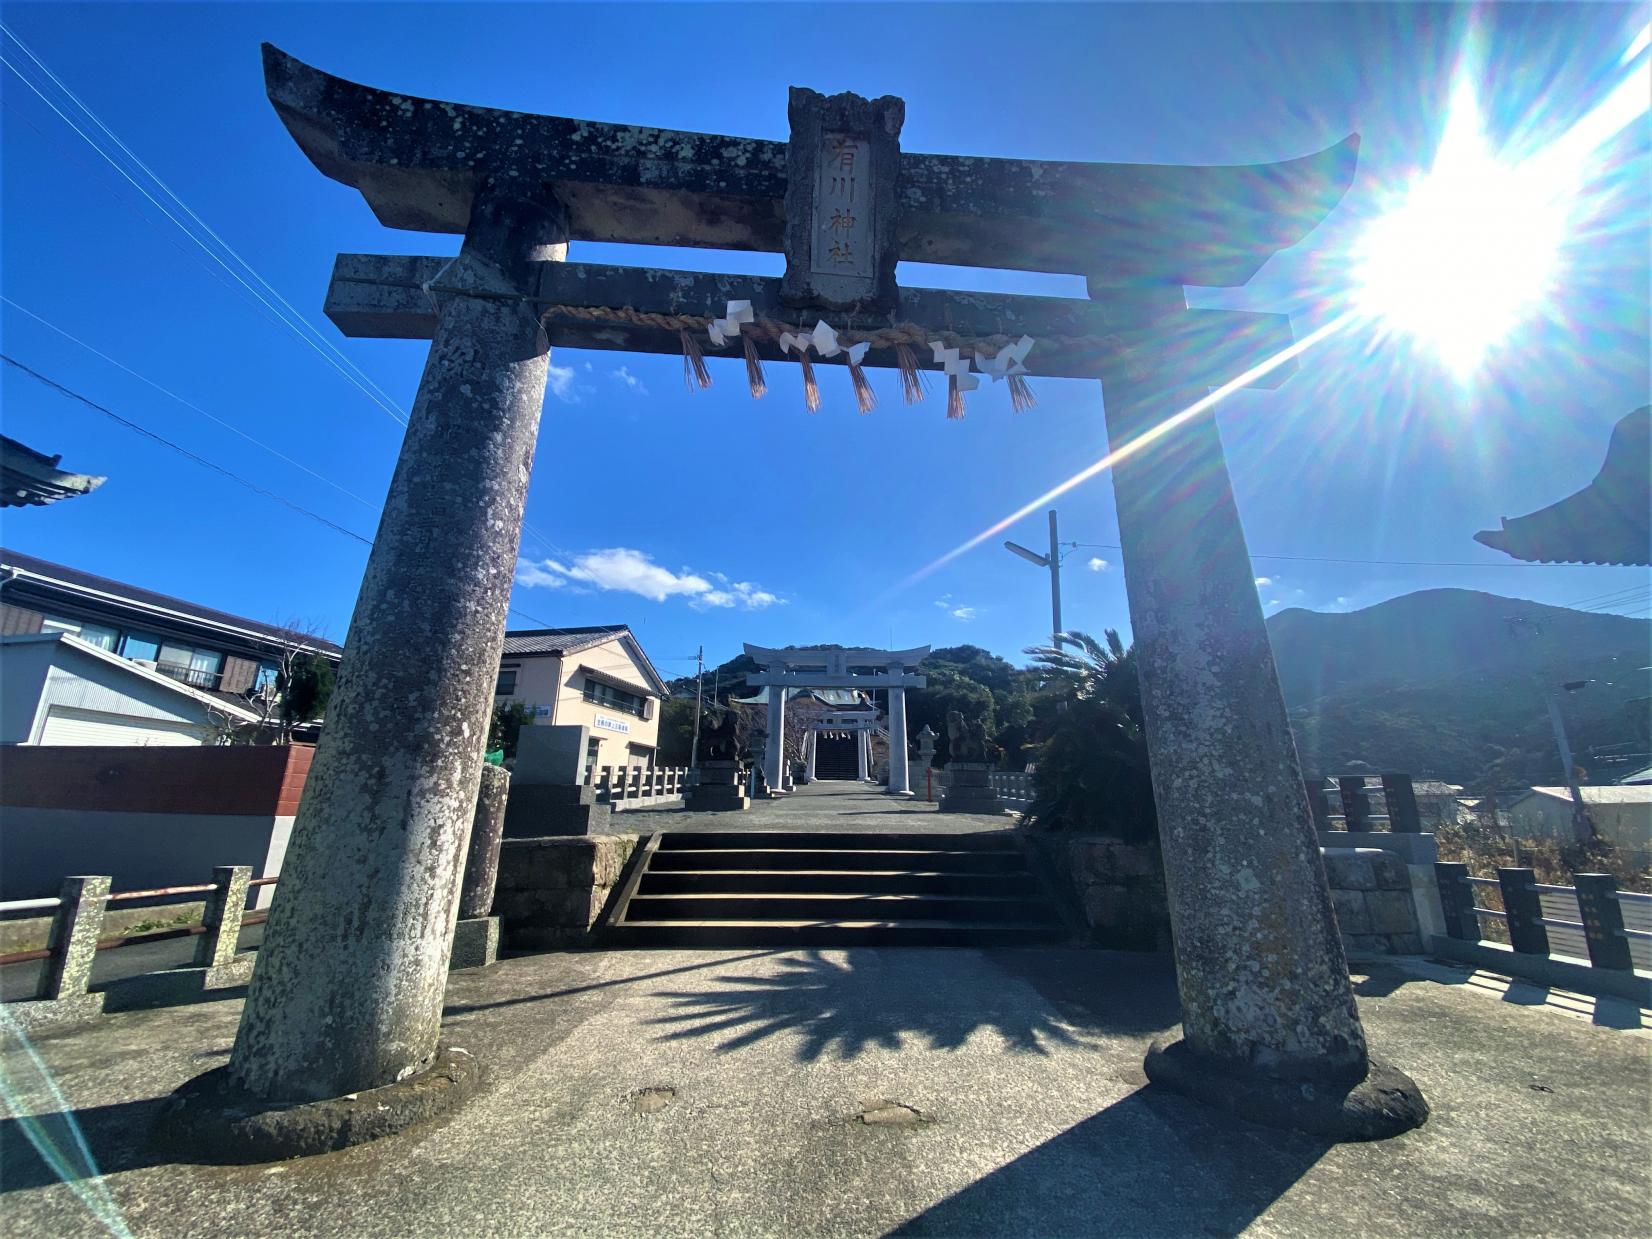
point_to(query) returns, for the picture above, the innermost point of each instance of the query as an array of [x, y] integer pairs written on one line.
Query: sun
[[1470, 250]]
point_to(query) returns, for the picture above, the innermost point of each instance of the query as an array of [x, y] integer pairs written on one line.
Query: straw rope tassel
[[954, 399], [912, 379], [1021, 395], [865, 397], [694, 363], [811, 389], [754, 370]]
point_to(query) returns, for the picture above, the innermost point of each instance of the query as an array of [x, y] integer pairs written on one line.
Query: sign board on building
[[610, 724]]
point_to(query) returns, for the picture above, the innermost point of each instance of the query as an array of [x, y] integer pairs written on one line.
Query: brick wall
[[238, 779]]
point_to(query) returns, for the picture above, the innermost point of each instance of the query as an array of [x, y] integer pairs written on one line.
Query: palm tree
[[1092, 774]]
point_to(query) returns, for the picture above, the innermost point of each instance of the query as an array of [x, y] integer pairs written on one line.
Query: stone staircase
[[835, 759], [811, 889]]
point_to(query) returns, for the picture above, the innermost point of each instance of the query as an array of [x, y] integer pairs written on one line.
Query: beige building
[[1621, 814], [594, 677]]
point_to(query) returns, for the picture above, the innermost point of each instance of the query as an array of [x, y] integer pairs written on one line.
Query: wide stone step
[[717, 934], [837, 881], [679, 860], [814, 841], [823, 906]]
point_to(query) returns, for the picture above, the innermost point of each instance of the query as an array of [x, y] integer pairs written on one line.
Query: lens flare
[[1472, 249]]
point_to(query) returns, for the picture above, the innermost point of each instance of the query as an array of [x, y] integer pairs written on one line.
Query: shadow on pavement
[[1603, 1011], [1151, 1164], [845, 1002], [77, 1145]]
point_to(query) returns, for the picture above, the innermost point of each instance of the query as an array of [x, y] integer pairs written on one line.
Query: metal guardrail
[[30, 905], [1540, 915]]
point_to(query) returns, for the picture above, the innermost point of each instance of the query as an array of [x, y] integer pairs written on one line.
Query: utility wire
[[312, 337], [276, 452], [217, 468], [182, 451]]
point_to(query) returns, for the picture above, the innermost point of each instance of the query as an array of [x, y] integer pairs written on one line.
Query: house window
[[141, 645], [196, 667], [507, 682], [264, 680], [600, 694], [92, 634]]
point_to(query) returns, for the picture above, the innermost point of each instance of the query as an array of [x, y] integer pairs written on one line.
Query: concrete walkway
[[828, 804], [869, 1092]]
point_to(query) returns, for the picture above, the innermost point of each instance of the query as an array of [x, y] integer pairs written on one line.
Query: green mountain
[[1454, 684]]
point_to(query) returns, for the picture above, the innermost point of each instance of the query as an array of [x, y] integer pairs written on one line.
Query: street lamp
[[1052, 561]]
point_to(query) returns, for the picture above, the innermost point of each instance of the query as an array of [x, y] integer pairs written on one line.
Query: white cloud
[[1262, 582], [1342, 600], [1273, 602], [1097, 564], [624, 375], [625, 570], [560, 379], [534, 575], [963, 613]]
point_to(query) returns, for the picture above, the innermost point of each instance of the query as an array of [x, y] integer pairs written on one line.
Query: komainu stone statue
[[968, 741], [718, 741]]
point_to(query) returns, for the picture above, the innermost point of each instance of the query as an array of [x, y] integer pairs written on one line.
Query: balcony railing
[[195, 677]]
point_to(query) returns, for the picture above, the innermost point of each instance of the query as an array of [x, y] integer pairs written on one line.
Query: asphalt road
[[19, 981]]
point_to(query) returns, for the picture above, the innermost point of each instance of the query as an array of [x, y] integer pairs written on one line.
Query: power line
[[233, 476], [302, 327], [312, 337], [182, 451], [188, 403]]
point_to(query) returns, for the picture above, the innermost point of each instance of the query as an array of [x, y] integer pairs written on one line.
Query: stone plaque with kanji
[[842, 164]]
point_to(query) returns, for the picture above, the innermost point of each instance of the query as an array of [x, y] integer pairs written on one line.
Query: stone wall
[[1372, 893], [1114, 890], [552, 891]]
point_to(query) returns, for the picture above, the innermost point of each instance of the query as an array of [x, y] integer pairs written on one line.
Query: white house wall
[[76, 680], [23, 668]]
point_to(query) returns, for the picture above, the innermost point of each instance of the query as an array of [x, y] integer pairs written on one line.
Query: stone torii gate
[[783, 669], [348, 991]]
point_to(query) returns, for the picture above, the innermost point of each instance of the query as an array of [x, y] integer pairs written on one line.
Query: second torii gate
[[819, 668]]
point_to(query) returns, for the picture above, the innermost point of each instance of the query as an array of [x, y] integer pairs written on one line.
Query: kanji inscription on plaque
[[843, 208]]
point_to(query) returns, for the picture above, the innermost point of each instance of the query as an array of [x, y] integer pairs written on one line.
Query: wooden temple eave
[[620, 308], [417, 161]]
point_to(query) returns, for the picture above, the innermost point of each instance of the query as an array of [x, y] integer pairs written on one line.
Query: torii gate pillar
[[1266, 1000]]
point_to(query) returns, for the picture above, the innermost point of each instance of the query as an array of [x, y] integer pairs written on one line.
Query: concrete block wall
[[1371, 890], [552, 891]]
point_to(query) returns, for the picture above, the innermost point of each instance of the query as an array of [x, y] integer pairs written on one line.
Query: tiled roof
[[560, 640], [1609, 521], [28, 567]]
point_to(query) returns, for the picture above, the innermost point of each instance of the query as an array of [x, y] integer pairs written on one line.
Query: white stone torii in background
[[783, 669]]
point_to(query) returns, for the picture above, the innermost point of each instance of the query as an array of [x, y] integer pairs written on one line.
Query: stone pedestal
[[718, 789], [536, 811], [969, 789], [486, 831], [475, 942]]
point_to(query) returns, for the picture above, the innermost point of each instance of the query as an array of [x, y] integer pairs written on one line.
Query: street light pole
[[1055, 585], [1052, 561], [699, 695], [1581, 825]]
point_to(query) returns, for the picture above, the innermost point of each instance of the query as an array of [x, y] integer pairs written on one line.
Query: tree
[[304, 688], [1093, 773], [509, 718], [676, 740], [948, 690]]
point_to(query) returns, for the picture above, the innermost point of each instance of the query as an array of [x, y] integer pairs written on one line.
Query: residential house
[[595, 677], [1619, 812], [226, 657]]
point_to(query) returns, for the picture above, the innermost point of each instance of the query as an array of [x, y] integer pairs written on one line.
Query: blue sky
[[706, 517]]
